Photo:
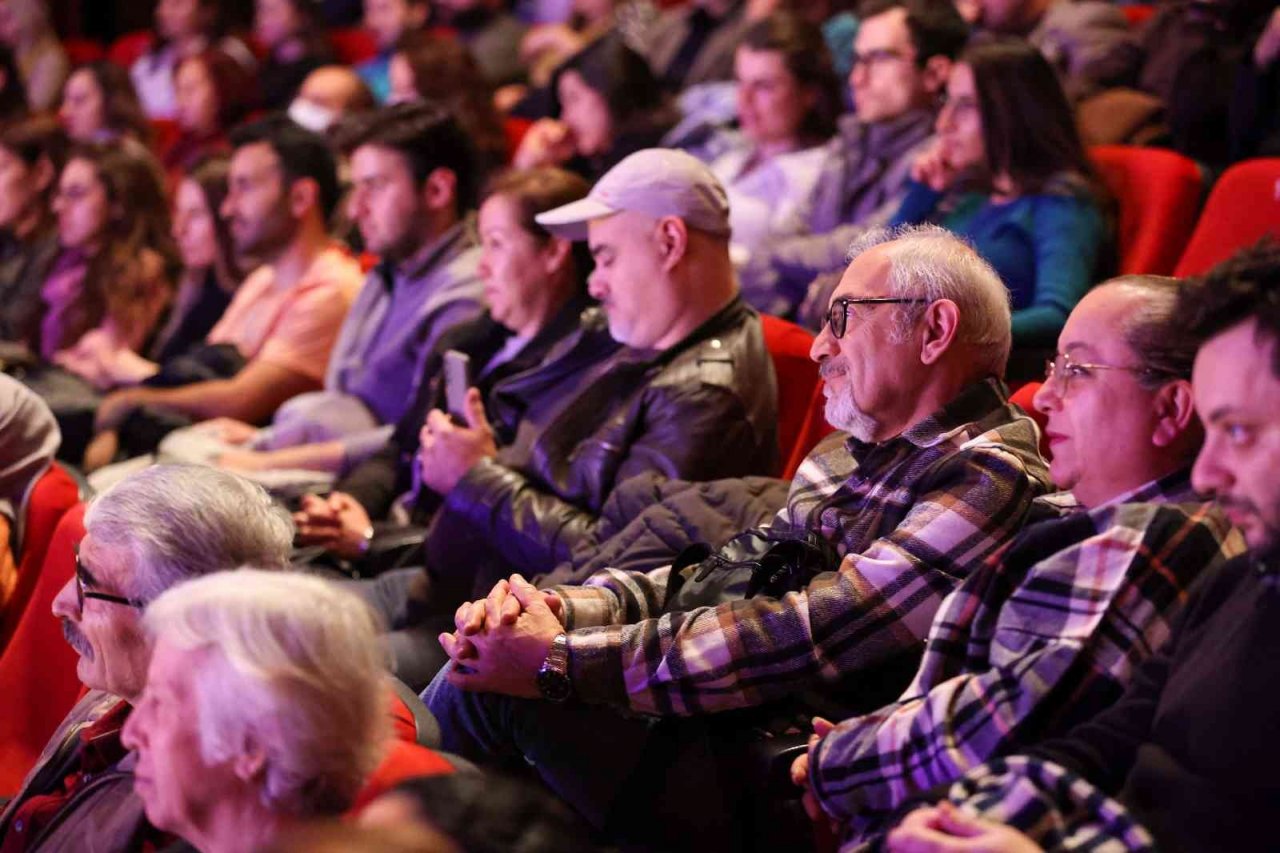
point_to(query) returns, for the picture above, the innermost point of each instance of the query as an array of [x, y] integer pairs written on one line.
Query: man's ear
[[554, 253], [440, 189], [304, 194], [672, 237], [937, 69], [939, 324], [1175, 412], [251, 762]]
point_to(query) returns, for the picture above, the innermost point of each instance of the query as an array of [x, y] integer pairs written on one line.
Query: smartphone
[[457, 379]]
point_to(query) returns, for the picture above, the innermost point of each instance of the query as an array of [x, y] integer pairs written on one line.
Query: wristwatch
[[553, 677]]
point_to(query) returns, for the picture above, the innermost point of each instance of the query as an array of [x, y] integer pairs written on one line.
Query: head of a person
[[211, 91], [788, 92], [388, 20], [657, 225], [32, 153], [203, 238], [1006, 118], [602, 91], [29, 437], [177, 20], [264, 703], [528, 272], [111, 194], [917, 316], [1234, 309], [463, 12], [1118, 393], [99, 104], [283, 180], [412, 176], [147, 533], [328, 95], [278, 22], [1010, 17], [481, 812], [902, 55], [428, 67], [23, 22]]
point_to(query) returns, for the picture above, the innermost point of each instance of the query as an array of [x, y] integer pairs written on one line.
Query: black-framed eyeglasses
[[838, 313], [85, 584], [1060, 370]]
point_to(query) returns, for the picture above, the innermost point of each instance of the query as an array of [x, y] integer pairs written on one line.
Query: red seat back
[[1243, 208], [1023, 397], [797, 377], [403, 760], [54, 494], [125, 50], [1137, 14], [352, 45], [81, 51], [37, 665], [814, 429], [1158, 193]]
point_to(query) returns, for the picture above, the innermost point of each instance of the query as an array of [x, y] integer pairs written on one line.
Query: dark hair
[[210, 174], [427, 136], [13, 97], [535, 191], [302, 154], [311, 33], [121, 111], [235, 87], [805, 54], [1028, 128], [215, 27], [620, 75], [936, 27], [445, 72], [32, 140], [1244, 287]]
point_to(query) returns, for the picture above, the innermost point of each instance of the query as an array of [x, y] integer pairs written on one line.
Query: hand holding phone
[[457, 379]]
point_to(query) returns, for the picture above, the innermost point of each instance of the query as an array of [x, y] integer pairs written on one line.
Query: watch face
[[554, 685]]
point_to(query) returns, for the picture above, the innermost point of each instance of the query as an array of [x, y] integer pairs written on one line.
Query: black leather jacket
[[703, 409]]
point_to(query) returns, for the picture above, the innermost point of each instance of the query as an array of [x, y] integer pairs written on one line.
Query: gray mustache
[[76, 640]]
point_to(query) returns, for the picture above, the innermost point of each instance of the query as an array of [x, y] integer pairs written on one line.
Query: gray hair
[[931, 263], [293, 667], [183, 521], [1165, 350]]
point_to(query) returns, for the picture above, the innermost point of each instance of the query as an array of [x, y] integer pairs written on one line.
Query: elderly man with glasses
[[1050, 630], [162, 526], [934, 472]]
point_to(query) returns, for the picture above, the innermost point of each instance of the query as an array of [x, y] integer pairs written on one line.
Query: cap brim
[[570, 220]]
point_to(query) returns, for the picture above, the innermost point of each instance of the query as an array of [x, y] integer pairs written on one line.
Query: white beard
[[842, 412]]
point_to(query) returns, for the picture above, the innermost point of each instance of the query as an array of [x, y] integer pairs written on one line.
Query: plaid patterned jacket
[[911, 517], [1047, 634]]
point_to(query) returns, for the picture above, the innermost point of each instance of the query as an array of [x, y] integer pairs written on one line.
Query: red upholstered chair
[[1243, 207], [797, 377], [81, 51], [37, 666], [1023, 397], [515, 129], [166, 133], [54, 494], [352, 45], [125, 50], [1138, 14], [1158, 193], [814, 429]]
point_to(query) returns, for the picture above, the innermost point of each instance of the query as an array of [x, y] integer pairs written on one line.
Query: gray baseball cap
[[655, 181]]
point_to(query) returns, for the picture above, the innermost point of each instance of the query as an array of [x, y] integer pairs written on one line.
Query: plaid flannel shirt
[[911, 517], [1048, 633]]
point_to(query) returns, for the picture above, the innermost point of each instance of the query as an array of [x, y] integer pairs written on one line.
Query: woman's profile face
[[960, 122], [586, 113], [81, 204], [83, 111], [194, 228], [512, 265]]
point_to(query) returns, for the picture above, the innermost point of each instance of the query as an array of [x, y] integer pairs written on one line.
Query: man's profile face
[[629, 281], [1237, 396], [886, 80], [385, 201], [107, 635], [257, 204]]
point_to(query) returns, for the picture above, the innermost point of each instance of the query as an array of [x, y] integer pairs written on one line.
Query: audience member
[[788, 100], [936, 473], [327, 96], [535, 287], [1255, 102], [440, 69], [413, 193], [25, 29], [31, 157], [608, 106], [490, 32], [274, 339], [100, 105], [1049, 632], [13, 98], [1008, 172], [28, 440], [264, 706], [694, 43], [290, 33], [213, 94], [689, 394], [390, 21], [547, 45], [149, 533], [903, 54], [1187, 751], [183, 29]]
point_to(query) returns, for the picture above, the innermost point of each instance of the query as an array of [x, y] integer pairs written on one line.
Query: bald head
[[338, 89]]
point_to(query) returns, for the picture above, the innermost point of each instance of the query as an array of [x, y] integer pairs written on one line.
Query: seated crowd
[[428, 410]]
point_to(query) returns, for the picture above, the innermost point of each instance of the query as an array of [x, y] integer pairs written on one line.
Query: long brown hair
[[804, 53], [121, 111], [210, 175]]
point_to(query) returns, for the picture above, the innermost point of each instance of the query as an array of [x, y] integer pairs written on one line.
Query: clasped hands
[[500, 642]]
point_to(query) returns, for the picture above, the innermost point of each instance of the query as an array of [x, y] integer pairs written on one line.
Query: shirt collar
[[455, 238], [101, 739]]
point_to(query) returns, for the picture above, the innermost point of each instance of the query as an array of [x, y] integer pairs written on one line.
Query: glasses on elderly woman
[[838, 313], [1060, 370], [85, 589]]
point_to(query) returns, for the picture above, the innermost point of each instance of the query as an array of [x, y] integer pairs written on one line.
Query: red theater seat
[[1158, 193], [814, 429], [797, 377], [352, 45], [54, 494], [1243, 208], [125, 50], [1138, 14], [82, 51], [1023, 397]]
